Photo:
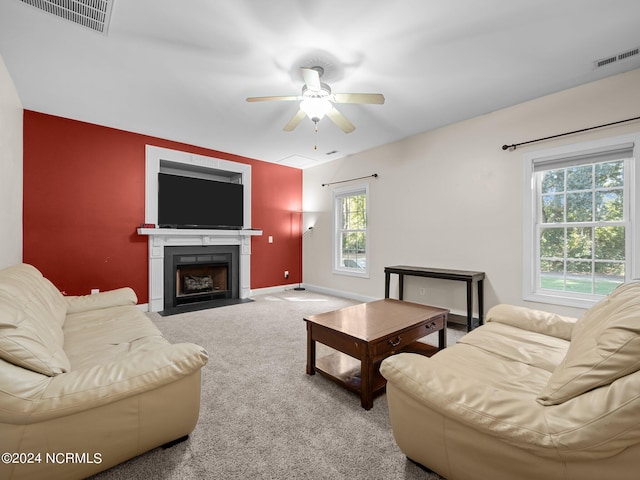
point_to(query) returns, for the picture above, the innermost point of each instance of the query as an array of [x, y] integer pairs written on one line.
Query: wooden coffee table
[[368, 333]]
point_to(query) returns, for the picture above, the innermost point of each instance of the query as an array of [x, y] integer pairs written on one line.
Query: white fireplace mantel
[[159, 238]]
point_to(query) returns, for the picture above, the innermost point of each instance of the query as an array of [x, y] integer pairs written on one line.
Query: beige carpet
[[261, 415]]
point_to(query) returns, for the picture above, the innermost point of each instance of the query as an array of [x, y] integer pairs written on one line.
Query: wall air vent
[[628, 54], [615, 58], [93, 14]]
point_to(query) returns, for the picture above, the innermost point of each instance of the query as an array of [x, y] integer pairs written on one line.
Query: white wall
[[11, 168], [452, 198]]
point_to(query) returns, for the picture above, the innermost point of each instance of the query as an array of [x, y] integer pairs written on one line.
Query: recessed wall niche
[[198, 166]]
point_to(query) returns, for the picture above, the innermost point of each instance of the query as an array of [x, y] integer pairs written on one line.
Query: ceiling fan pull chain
[[315, 122]]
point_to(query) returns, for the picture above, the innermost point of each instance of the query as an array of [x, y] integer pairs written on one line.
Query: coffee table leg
[[311, 352], [442, 340], [366, 382]]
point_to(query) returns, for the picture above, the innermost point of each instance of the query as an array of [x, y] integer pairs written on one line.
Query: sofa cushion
[[508, 343], [605, 345], [26, 343], [32, 312], [538, 321], [97, 337], [25, 285]]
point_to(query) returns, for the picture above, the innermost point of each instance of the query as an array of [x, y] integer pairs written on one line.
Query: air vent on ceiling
[[615, 58], [93, 14]]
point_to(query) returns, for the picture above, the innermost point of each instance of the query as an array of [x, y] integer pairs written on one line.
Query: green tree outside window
[[581, 231]]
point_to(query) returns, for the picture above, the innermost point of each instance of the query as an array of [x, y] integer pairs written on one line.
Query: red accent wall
[[84, 200]]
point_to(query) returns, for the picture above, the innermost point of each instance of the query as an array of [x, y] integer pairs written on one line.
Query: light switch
[[270, 239]]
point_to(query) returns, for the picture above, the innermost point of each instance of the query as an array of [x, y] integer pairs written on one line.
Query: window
[[351, 252], [581, 218]]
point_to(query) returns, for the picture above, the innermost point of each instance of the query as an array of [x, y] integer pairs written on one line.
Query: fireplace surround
[[200, 274]]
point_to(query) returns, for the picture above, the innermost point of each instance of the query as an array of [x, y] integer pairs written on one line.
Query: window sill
[[564, 300]]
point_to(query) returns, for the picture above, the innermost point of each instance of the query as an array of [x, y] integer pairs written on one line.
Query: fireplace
[[161, 240], [194, 274]]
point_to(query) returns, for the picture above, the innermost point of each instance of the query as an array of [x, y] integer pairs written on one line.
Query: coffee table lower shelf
[[345, 370]]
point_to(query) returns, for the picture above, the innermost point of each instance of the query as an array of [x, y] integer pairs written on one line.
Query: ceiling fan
[[317, 101]]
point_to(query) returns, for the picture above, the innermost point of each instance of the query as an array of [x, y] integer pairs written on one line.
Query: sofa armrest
[[537, 321], [93, 387], [515, 418], [112, 298], [597, 424]]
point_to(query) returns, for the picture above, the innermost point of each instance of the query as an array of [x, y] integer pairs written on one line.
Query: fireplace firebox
[[194, 281], [195, 274]]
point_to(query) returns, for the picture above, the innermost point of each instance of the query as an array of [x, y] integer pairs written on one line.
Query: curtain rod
[[515, 145], [375, 175]]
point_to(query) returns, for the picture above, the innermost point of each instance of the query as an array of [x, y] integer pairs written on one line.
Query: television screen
[[186, 202]]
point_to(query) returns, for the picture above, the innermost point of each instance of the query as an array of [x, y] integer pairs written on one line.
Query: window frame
[[338, 195], [531, 255]]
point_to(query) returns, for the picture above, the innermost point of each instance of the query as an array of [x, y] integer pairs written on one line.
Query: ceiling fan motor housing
[[325, 91]]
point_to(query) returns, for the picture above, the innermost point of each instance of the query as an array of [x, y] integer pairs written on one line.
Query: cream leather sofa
[[86, 382], [528, 395]]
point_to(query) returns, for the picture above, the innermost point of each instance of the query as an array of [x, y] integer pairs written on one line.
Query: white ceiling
[[182, 70]]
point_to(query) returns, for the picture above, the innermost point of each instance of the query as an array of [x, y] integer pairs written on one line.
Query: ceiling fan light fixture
[[315, 108], [317, 101]]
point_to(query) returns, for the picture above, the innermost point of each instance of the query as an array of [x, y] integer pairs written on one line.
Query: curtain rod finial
[[509, 147]]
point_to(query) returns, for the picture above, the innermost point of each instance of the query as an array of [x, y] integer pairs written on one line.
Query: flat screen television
[[187, 202]]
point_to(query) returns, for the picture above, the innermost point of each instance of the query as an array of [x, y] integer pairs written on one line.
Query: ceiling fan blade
[[340, 120], [272, 99], [376, 98], [311, 79], [293, 123]]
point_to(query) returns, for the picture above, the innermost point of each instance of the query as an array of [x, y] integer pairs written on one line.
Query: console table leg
[[480, 302], [387, 281], [469, 306]]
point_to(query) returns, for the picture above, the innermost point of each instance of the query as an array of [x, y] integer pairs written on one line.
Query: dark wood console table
[[460, 275]]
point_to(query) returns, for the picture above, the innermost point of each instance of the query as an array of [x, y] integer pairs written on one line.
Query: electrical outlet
[[94, 291], [422, 291], [286, 274]]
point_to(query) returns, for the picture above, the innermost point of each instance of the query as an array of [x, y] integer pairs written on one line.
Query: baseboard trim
[[272, 290], [340, 293], [314, 288]]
